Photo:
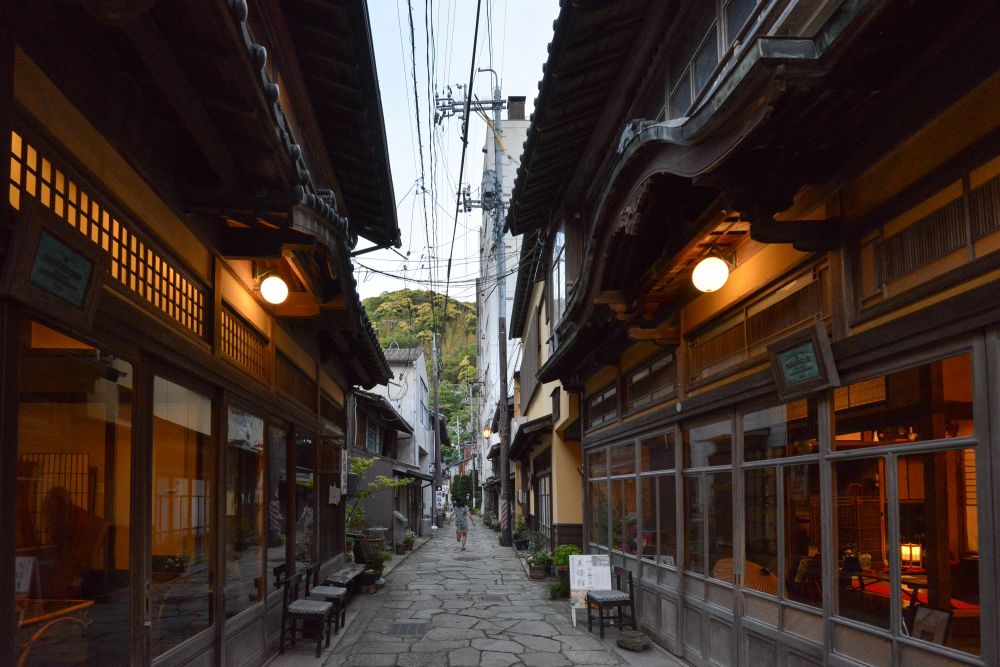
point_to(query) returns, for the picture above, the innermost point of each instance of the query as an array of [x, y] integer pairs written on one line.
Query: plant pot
[[536, 571], [400, 549], [367, 578], [408, 546], [521, 543]]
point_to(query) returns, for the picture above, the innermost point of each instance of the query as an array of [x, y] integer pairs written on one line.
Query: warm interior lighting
[[710, 274], [274, 289], [910, 553], [487, 433]]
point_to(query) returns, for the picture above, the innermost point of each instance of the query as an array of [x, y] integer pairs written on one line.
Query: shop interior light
[[274, 289], [710, 274], [910, 554]]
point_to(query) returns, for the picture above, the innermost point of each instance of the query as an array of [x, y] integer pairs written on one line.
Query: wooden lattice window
[[135, 264], [953, 227], [760, 324], [242, 345], [291, 380], [867, 392]]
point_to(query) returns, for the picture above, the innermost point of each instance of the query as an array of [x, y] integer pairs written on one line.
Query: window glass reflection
[[803, 561], [277, 504], [599, 513], [244, 511], [939, 547], [623, 460], [929, 402], [183, 478], [624, 518], [659, 521], [305, 499], [760, 492], [73, 503], [657, 453], [783, 430], [709, 445]]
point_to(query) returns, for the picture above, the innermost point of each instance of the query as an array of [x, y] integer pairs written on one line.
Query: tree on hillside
[[407, 318]]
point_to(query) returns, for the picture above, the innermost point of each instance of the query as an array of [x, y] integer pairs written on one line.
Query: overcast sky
[[516, 48]]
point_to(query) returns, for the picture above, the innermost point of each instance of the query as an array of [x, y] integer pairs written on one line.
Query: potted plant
[[560, 559], [520, 536], [538, 564], [409, 540], [376, 560]]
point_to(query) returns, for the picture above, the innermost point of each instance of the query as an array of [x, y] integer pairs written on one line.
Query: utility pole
[[437, 434], [447, 106]]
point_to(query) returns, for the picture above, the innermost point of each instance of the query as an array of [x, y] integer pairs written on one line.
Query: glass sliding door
[[305, 499], [244, 521], [74, 505], [277, 504], [182, 560]]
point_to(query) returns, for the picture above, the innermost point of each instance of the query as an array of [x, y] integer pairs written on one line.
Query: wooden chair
[[610, 605], [335, 595], [315, 612]]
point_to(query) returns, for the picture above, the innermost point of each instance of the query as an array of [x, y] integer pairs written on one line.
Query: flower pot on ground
[[538, 564], [409, 541], [520, 543]]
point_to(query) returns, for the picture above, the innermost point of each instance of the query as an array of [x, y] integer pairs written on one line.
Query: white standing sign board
[[587, 573]]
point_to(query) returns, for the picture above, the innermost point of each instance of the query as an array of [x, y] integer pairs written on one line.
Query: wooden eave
[[332, 42], [591, 47], [816, 112]]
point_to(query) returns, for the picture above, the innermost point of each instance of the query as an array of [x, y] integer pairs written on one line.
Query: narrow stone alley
[[443, 607]]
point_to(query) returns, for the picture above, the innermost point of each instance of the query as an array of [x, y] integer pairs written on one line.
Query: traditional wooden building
[[545, 449], [799, 461], [168, 437]]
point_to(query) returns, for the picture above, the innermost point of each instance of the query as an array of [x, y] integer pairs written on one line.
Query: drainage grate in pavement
[[493, 598], [466, 557], [407, 629]]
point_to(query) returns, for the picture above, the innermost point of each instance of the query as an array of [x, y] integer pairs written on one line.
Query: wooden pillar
[[9, 346]]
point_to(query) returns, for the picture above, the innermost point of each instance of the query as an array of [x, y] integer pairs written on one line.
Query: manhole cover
[[466, 557], [407, 629]]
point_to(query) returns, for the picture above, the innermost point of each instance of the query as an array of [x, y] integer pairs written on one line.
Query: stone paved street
[[474, 608]]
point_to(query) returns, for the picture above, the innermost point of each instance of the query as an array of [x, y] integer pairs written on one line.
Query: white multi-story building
[[513, 133], [408, 392]]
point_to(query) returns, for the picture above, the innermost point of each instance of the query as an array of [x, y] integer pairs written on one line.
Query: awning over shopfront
[[529, 435], [385, 411], [407, 471]]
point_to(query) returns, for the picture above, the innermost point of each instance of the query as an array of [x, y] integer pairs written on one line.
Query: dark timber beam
[[157, 56]]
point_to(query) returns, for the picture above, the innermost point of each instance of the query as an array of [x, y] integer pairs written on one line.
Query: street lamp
[[487, 433]]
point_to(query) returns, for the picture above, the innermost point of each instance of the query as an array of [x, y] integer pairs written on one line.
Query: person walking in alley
[[462, 518]]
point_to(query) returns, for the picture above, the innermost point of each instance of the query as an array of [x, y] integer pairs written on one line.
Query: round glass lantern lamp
[[710, 274], [274, 289]]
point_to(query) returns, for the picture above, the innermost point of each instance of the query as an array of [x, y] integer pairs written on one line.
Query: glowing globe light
[[274, 290], [710, 274]]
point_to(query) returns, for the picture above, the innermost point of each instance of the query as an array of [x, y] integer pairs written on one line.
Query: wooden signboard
[[803, 363], [587, 573], [53, 267]]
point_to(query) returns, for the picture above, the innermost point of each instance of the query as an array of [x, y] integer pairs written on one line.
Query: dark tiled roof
[[402, 354]]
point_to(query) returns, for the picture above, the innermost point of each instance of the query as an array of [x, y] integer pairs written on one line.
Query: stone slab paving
[[480, 610]]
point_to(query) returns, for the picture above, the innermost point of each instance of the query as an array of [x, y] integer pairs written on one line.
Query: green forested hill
[[405, 318]]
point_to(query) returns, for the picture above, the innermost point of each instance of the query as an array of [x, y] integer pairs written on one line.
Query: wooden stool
[[294, 609]]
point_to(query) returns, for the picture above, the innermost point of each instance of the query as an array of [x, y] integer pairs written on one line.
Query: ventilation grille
[[134, 264], [804, 305], [738, 342], [926, 240], [984, 209], [242, 345], [294, 382]]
